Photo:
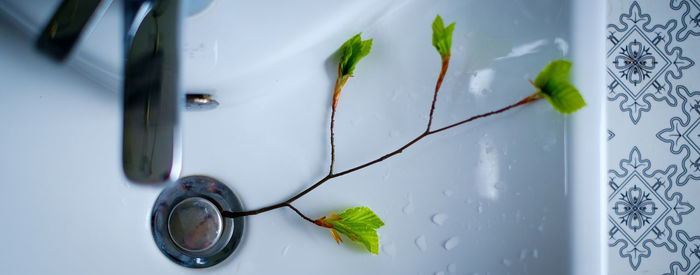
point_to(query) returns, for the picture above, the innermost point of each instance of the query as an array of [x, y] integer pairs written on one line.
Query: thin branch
[[288, 202], [330, 172], [300, 214], [443, 71], [339, 83], [232, 215], [526, 100]]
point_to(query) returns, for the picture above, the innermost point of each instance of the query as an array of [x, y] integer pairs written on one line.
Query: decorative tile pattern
[[643, 208], [690, 252], [642, 62], [653, 136], [690, 20], [683, 135]]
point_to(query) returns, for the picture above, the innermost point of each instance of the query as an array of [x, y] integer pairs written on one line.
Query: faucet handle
[[72, 19]]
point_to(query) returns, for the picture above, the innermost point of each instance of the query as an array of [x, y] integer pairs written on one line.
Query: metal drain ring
[[196, 197]]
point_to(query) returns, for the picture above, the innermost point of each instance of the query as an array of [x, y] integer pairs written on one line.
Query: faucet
[[152, 97]]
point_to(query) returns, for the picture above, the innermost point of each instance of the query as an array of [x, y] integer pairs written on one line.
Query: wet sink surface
[[486, 197]]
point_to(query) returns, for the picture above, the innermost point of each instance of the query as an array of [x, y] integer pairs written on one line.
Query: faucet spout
[[151, 146]]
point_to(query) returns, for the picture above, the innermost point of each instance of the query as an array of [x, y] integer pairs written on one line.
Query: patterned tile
[[643, 208], [642, 62], [690, 20], [683, 135], [690, 253], [653, 136]]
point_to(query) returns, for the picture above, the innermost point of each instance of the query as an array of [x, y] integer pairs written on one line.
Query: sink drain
[[187, 224], [195, 224]]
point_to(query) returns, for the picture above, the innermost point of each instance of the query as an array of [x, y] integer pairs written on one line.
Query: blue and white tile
[[653, 136]]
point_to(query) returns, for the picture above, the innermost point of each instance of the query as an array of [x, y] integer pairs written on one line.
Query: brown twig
[[443, 71], [339, 83], [330, 172], [300, 214], [287, 203]]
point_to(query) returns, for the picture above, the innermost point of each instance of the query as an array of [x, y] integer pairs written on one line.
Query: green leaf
[[359, 224], [553, 84], [555, 70], [442, 37], [351, 52]]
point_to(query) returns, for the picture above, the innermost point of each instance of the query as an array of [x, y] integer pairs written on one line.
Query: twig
[[443, 71], [330, 172], [287, 203], [299, 212]]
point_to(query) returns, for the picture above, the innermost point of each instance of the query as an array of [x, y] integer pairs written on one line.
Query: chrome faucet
[[151, 149], [151, 145]]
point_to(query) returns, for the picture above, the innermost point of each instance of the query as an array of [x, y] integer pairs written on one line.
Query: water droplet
[[535, 253], [507, 262], [408, 208], [452, 268], [395, 95], [500, 186], [451, 243], [480, 208], [480, 82], [440, 273], [523, 254], [562, 45], [447, 193], [389, 249], [285, 250], [487, 170], [541, 227], [386, 176], [421, 243], [439, 219]]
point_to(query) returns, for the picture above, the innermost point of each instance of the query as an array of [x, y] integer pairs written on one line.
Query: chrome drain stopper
[[187, 224], [195, 224]]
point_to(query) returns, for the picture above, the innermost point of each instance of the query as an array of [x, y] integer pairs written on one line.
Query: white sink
[[522, 191]]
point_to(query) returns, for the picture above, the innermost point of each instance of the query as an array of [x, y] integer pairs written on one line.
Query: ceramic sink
[[517, 193]]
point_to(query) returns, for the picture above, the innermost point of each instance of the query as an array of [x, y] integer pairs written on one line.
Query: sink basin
[[517, 193]]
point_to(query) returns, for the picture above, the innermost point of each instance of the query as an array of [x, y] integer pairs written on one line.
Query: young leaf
[[553, 84], [442, 37], [351, 52], [359, 224]]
